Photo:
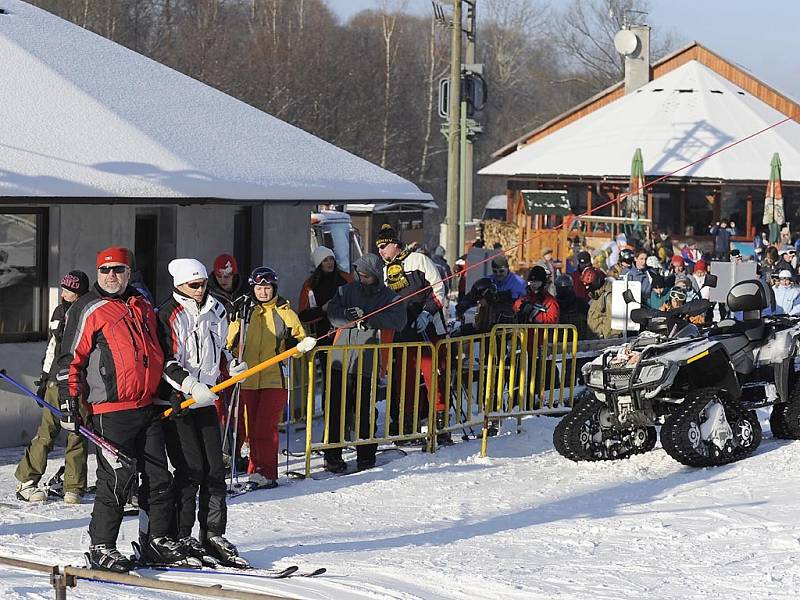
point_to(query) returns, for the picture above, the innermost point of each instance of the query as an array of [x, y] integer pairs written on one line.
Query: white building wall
[[78, 232]]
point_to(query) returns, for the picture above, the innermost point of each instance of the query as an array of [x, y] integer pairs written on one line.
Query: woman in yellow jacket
[[271, 324]]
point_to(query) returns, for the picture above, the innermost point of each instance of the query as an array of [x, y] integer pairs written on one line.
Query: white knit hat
[[319, 254], [186, 269]]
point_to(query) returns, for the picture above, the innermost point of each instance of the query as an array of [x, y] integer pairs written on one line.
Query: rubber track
[[674, 432], [785, 418], [567, 435]]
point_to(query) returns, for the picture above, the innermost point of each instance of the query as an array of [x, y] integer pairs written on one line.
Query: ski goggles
[[263, 277], [678, 295]]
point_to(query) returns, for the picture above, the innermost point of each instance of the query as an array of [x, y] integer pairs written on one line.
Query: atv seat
[[753, 330]]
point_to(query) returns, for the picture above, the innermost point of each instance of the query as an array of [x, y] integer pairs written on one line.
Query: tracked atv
[[702, 389]]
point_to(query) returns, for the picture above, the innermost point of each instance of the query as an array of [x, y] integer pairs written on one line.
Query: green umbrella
[[773, 201], [635, 202]]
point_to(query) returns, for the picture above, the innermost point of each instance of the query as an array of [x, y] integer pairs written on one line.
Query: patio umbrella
[[773, 202], [635, 204]]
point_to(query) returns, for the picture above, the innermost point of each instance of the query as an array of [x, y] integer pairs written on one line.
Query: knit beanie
[[319, 254], [75, 281], [225, 264], [186, 269], [114, 254], [387, 235]]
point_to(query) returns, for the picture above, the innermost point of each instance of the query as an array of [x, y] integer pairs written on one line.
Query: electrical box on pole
[[473, 91]]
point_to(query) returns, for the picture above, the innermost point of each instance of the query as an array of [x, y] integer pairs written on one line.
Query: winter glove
[[354, 313], [422, 322], [177, 410], [237, 366], [363, 325], [199, 392], [70, 415], [306, 344], [41, 385]]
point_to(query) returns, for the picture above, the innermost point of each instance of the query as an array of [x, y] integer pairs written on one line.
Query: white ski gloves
[[199, 392], [237, 366], [306, 344]]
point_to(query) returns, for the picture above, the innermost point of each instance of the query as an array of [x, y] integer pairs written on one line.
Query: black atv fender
[[705, 363]]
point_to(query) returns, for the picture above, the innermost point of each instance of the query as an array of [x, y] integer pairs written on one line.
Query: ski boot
[[164, 551], [104, 557], [256, 481], [443, 438], [194, 548], [225, 552], [29, 492], [334, 464]]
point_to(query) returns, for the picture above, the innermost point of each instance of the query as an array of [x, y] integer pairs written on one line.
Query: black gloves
[[70, 415], [354, 313]]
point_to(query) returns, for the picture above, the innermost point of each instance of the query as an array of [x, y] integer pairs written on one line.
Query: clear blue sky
[[759, 35]]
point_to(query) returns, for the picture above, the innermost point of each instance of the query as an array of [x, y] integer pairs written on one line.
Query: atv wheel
[[785, 418], [777, 422], [708, 430], [588, 433], [746, 432]]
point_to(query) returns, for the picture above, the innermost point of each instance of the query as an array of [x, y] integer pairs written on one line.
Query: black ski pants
[[138, 433], [365, 453], [194, 446]]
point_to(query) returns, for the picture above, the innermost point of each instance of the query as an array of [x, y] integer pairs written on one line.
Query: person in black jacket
[[34, 462], [350, 311]]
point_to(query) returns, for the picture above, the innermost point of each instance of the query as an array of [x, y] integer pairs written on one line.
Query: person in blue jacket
[[506, 280]]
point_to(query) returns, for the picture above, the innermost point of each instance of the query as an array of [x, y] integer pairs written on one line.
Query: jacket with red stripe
[[110, 353], [418, 273]]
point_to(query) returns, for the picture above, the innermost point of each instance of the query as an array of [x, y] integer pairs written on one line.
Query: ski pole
[[85, 432], [241, 376]]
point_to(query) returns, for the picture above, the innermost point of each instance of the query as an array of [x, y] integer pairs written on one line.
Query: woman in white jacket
[[193, 326]]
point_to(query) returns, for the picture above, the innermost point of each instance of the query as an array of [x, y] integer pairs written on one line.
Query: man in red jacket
[[538, 307], [112, 360]]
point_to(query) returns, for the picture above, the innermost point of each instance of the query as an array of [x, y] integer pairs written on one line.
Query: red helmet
[[592, 278]]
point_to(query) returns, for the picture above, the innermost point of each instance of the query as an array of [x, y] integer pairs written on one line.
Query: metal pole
[[469, 59], [463, 200], [454, 118]]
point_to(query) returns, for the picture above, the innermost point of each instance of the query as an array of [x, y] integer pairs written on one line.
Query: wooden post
[[652, 227], [750, 229]]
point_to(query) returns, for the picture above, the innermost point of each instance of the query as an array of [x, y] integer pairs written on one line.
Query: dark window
[[23, 274]]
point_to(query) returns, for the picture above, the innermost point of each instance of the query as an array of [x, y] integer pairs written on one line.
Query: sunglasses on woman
[[119, 269], [196, 285]]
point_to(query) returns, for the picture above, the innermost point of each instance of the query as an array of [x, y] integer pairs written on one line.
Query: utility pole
[[454, 122], [469, 59]]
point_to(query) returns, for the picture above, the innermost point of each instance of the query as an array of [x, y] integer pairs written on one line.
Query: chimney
[[637, 63]]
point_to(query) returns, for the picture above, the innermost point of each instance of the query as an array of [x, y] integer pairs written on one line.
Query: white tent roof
[[675, 119], [81, 116]]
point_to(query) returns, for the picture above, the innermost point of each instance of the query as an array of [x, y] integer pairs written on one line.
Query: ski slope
[[522, 524]]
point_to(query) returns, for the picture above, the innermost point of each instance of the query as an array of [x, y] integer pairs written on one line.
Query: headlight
[[651, 374], [596, 378]]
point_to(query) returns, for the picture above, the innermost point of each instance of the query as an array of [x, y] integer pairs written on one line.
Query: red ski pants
[[412, 379], [263, 413]]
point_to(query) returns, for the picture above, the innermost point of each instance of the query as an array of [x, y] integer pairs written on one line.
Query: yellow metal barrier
[[531, 370], [351, 387], [462, 363]]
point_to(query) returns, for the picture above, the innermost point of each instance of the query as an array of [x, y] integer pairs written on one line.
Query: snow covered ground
[[524, 523]]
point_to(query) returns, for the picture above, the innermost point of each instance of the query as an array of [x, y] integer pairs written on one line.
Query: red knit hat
[[700, 265], [114, 254], [678, 260], [225, 264]]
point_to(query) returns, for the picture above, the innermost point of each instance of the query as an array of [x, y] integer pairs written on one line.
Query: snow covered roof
[[82, 116], [382, 207], [675, 119]]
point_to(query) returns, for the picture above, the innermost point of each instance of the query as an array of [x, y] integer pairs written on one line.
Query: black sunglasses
[[382, 246], [119, 269], [196, 285]]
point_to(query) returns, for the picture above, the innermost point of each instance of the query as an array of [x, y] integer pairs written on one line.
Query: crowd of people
[[115, 362]]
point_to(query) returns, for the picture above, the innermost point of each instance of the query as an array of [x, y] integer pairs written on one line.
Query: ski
[[222, 570]]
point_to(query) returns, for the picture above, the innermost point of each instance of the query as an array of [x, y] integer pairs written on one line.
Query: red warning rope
[[587, 213]]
